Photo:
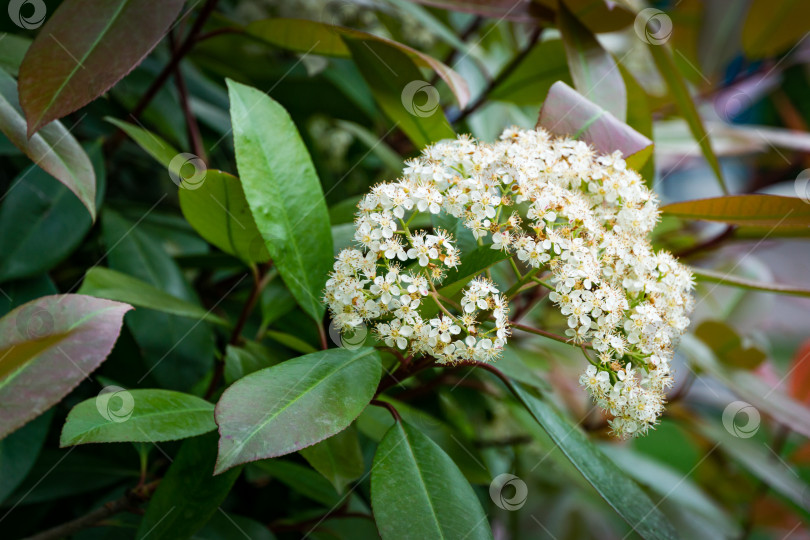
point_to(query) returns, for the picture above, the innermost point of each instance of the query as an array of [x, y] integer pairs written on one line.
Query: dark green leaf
[[105, 283], [338, 458], [53, 149], [178, 351], [139, 415], [774, 27], [284, 194], [37, 338], [399, 90], [226, 526], [596, 74], [302, 479], [680, 93], [529, 83], [12, 52], [19, 451], [188, 495], [85, 56], [728, 346], [620, 492], [295, 404], [418, 492], [244, 360]]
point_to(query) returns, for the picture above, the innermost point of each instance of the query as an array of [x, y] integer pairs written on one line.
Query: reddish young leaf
[[770, 211], [565, 112], [77, 57], [47, 347]]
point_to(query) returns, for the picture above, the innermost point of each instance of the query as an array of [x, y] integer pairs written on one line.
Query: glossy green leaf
[[19, 451], [218, 210], [139, 415], [318, 38], [85, 56], [773, 27], [292, 342], [105, 283], [47, 347], [178, 351], [284, 194], [295, 404], [338, 458], [639, 117], [620, 492], [418, 492], [749, 386], [399, 90], [188, 495], [567, 113], [594, 71], [42, 222], [152, 144], [748, 210], [680, 93], [53, 148]]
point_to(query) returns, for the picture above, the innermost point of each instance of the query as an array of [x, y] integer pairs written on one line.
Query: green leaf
[[620, 492], [178, 351], [338, 458], [85, 56], [140, 415], [284, 194], [295, 404], [35, 341], [399, 90], [728, 345], [105, 283], [252, 356], [152, 144], [639, 117], [596, 74], [218, 210], [749, 386], [773, 27], [680, 93], [318, 38], [19, 451], [42, 222], [53, 149], [188, 495], [225, 526], [759, 459], [530, 81], [565, 112], [758, 210], [301, 479], [290, 341], [377, 146], [12, 52], [418, 492]]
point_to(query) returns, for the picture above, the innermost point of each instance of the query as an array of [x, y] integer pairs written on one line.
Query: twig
[[115, 140], [192, 128], [128, 502], [386, 405], [504, 73], [544, 333]]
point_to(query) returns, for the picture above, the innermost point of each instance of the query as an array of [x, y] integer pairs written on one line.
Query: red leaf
[[84, 49], [47, 347], [799, 378]]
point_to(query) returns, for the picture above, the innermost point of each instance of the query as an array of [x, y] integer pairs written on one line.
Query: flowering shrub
[[578, 220]]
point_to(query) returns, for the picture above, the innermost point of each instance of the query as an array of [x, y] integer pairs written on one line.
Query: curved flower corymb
[[557, 207]]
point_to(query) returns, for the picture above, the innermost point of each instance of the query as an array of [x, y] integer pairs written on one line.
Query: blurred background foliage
[[721, 87]]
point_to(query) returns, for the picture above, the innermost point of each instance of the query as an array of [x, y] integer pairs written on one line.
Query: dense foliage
[[382, 268]]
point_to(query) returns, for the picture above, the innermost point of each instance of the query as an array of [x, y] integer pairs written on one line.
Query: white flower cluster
[[575, 219]]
